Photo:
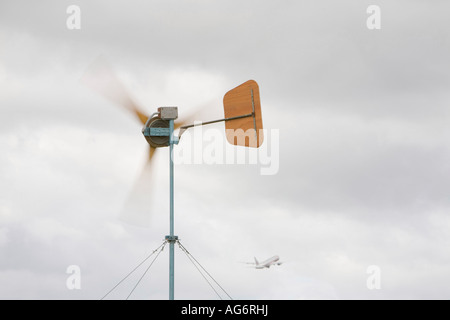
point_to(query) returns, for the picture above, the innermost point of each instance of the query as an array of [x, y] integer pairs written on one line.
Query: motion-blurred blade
[[136, 210], [202, 113], [151, 151], [101, 78]]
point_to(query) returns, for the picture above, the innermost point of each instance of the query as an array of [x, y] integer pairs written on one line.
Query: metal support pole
[[172, 237]]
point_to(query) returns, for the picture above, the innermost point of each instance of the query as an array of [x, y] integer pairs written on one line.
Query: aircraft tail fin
[[256, 261]]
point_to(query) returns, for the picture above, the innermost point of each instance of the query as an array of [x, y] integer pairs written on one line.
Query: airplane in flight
[[266, 263]]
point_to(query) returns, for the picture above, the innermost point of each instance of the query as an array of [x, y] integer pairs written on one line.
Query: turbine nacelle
[[156, 129]]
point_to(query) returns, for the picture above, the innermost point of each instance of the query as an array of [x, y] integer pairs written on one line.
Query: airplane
[[266, 263]]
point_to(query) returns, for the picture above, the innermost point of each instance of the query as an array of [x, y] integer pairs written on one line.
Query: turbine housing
[[156, 130]]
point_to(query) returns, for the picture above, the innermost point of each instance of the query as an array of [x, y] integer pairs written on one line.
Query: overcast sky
[[358, 131]]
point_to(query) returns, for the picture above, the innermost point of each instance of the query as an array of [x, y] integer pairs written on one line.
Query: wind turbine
[[242, 117]]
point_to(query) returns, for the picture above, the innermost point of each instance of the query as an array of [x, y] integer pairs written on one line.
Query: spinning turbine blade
[[198, 114], [101, 78], [151, 151], [136, 210]]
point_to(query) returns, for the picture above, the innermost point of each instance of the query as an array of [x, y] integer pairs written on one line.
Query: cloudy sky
[[358, 133]]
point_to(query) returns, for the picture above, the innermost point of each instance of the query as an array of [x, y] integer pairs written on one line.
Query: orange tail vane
[[243, 120], [240, 101]]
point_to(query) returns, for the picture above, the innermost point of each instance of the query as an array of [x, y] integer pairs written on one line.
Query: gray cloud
[[364, 153]]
